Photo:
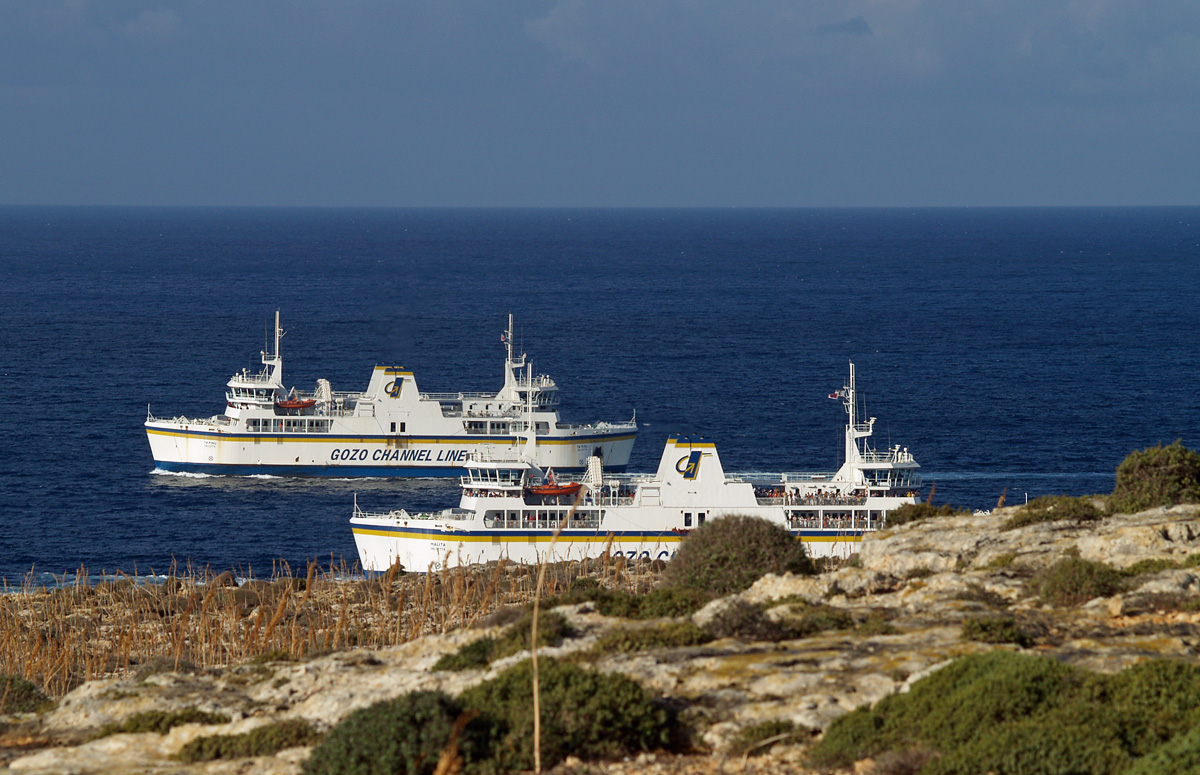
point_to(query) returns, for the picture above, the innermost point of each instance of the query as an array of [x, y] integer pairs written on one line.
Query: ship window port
[[687, 518], [394, 427]]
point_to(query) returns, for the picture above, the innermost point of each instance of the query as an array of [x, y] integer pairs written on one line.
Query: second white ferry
[[511, 509], [390, 429]]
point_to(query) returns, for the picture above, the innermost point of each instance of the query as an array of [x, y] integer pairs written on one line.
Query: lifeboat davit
[[545, 490]]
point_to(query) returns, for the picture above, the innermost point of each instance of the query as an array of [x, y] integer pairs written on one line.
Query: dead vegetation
[[61, 636]]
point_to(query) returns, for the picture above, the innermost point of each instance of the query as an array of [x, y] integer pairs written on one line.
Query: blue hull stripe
[[517, 534]]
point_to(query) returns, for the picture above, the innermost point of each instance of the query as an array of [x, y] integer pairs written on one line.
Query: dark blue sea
[[1011, 350]]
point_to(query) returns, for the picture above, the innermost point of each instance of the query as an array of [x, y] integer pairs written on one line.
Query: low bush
[[1014, 714], [20, 696], [915, 512], [729, 554], [752, 740], [552, 630], [1148, 566], [995, 629], [401, 736], [876, 623], [1053, 508], [584, 713], [1180, 756], [161, 721], [805, 619], [747, 622], [1073, 741], [630, 640], [1072, 581], [266, 740], [974, 593], [1002, 561], [1156, 476], [658, 603]]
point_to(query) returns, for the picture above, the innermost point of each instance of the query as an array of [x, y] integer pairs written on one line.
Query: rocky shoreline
[[912, 601]]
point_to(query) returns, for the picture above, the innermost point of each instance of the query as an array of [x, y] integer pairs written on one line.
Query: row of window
[[288, 425], [243, 392], [503, 428], [498, 475], [540, 519]]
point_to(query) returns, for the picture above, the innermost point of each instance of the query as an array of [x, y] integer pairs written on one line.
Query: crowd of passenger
[[818, 498]]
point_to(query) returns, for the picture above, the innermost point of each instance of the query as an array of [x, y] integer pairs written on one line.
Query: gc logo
[[393, 387]]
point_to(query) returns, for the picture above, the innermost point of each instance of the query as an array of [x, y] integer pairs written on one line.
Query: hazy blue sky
[[605, 102]]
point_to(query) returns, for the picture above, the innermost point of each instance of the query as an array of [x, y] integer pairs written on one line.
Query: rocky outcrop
[[914, 589]]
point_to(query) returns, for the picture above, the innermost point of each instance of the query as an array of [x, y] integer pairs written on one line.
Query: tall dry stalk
[[533, 632]]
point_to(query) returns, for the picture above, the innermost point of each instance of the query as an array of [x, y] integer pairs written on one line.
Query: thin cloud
[[158, 26], [856, 27]]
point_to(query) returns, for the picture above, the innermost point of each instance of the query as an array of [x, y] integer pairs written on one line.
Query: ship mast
[[271, 359], [854, 431]]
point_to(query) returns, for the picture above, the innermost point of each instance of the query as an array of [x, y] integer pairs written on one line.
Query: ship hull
[[188, 449], [419, 546]]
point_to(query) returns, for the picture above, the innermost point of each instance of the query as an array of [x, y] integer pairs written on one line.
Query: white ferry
[[508, 509], [391, 429]]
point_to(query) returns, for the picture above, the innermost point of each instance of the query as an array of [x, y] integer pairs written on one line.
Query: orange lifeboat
[[296, 403], [551, 489]]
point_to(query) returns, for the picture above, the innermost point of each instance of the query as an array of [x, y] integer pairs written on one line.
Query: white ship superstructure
[[508, 508], [390, 429]]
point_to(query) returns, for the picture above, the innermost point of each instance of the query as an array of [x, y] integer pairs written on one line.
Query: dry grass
[[59, 637]]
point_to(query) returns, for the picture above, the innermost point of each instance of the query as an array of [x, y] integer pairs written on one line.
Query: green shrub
[[552, 630], [750, 740], [976, 593], [630, 640], [266, 740], [1180, 756], [655, 604], [849, 738], [1156, 476], [876, 623], [1072, 581], [1164, 693], [805, 619], [1077, 741], [1002, 561], [161, 721], [915, 512], [949, 708], [470, 656], [729, 554], [584, 713], [996, 629], [397, 737], [20, 696], [1053, 508], [278, 655], [1014, 714], [747, 622], [1150, 565]]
